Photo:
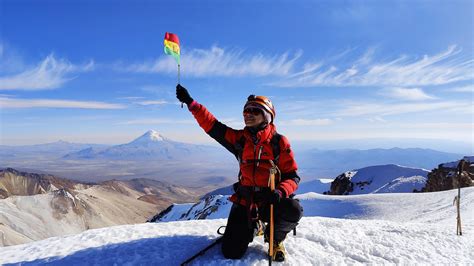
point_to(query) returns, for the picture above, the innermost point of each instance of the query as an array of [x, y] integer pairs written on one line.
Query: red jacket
[[254, 173]]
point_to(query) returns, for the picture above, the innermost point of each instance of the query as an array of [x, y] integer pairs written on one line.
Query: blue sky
[[95, 71]]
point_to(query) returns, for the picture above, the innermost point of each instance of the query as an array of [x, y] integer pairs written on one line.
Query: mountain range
[[154, 156], [330, 163], [151, 145], [36, 206]]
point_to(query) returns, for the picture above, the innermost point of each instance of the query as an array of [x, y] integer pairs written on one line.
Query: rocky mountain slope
[[37, 206], [13, 182], [446, 177]]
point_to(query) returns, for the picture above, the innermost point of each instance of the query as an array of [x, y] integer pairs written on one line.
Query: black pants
[[238, 234]]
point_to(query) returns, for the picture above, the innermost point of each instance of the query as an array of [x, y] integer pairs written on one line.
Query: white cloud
[[51, 73], [306, 122], [383, 109], [442, 68], [377, 119], [157, 102], [218, 62], [131, 98], [414, 94], [468, 88], [52, 103]]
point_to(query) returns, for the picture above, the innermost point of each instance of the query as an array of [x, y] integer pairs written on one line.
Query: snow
[[403, 184], [396, 228], [149, 136], [318, 241], [387, 178], [177, 212]]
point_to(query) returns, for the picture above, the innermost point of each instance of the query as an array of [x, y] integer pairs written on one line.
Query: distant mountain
[[54, 149], [329, 163], [150, 145], [16, 183], [379, 179], [36, 206]]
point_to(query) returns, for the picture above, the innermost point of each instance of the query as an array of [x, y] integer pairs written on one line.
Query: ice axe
[[273, 171]]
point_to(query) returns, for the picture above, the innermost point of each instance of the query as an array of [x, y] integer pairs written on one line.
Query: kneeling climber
[[259, 150]]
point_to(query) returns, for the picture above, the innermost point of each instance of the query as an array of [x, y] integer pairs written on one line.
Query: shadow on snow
[[167, 250]]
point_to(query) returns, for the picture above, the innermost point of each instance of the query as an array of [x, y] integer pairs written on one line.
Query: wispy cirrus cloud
[[51, 73], [373, 111], [218, 61], [306, 122], [53, 103], [442, 68], [414, 94], [155, 102], [382, 109], [155, 121]]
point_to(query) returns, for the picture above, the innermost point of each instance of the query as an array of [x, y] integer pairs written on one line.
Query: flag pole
[[178, 81]]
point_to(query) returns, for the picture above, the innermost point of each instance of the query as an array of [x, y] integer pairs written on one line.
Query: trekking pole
[[202, 251], [458, 198], [272, 188]]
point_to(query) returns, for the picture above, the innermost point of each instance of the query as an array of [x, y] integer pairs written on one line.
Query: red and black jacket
[[254, 171]]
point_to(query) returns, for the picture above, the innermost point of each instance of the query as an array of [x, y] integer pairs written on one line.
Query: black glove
[[183, 95], [275, 196]]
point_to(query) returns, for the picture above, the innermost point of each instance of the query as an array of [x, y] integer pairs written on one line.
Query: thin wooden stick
[[458, 198], [179, 80]]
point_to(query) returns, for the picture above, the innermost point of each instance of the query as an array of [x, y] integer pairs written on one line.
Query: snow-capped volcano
[[151, 145], [149, 136]]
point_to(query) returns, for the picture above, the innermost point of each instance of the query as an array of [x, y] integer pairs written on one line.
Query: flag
[[172, 46]]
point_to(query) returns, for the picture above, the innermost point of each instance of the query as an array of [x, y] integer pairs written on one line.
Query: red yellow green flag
[[172, 45]]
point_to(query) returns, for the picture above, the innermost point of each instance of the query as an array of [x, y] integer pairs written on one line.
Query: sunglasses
[[252, 111]]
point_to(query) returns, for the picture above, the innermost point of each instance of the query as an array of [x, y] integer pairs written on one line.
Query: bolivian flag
[[172, 45]]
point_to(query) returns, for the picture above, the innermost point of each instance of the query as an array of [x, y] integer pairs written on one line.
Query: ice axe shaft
[[272, 188]]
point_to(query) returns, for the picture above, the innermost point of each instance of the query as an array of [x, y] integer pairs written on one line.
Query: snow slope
[[389, 178], [318, 241], [421, 230], [399, 207]]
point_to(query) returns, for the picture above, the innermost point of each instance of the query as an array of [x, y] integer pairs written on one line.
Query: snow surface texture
[[421, 230], [386, 179]]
